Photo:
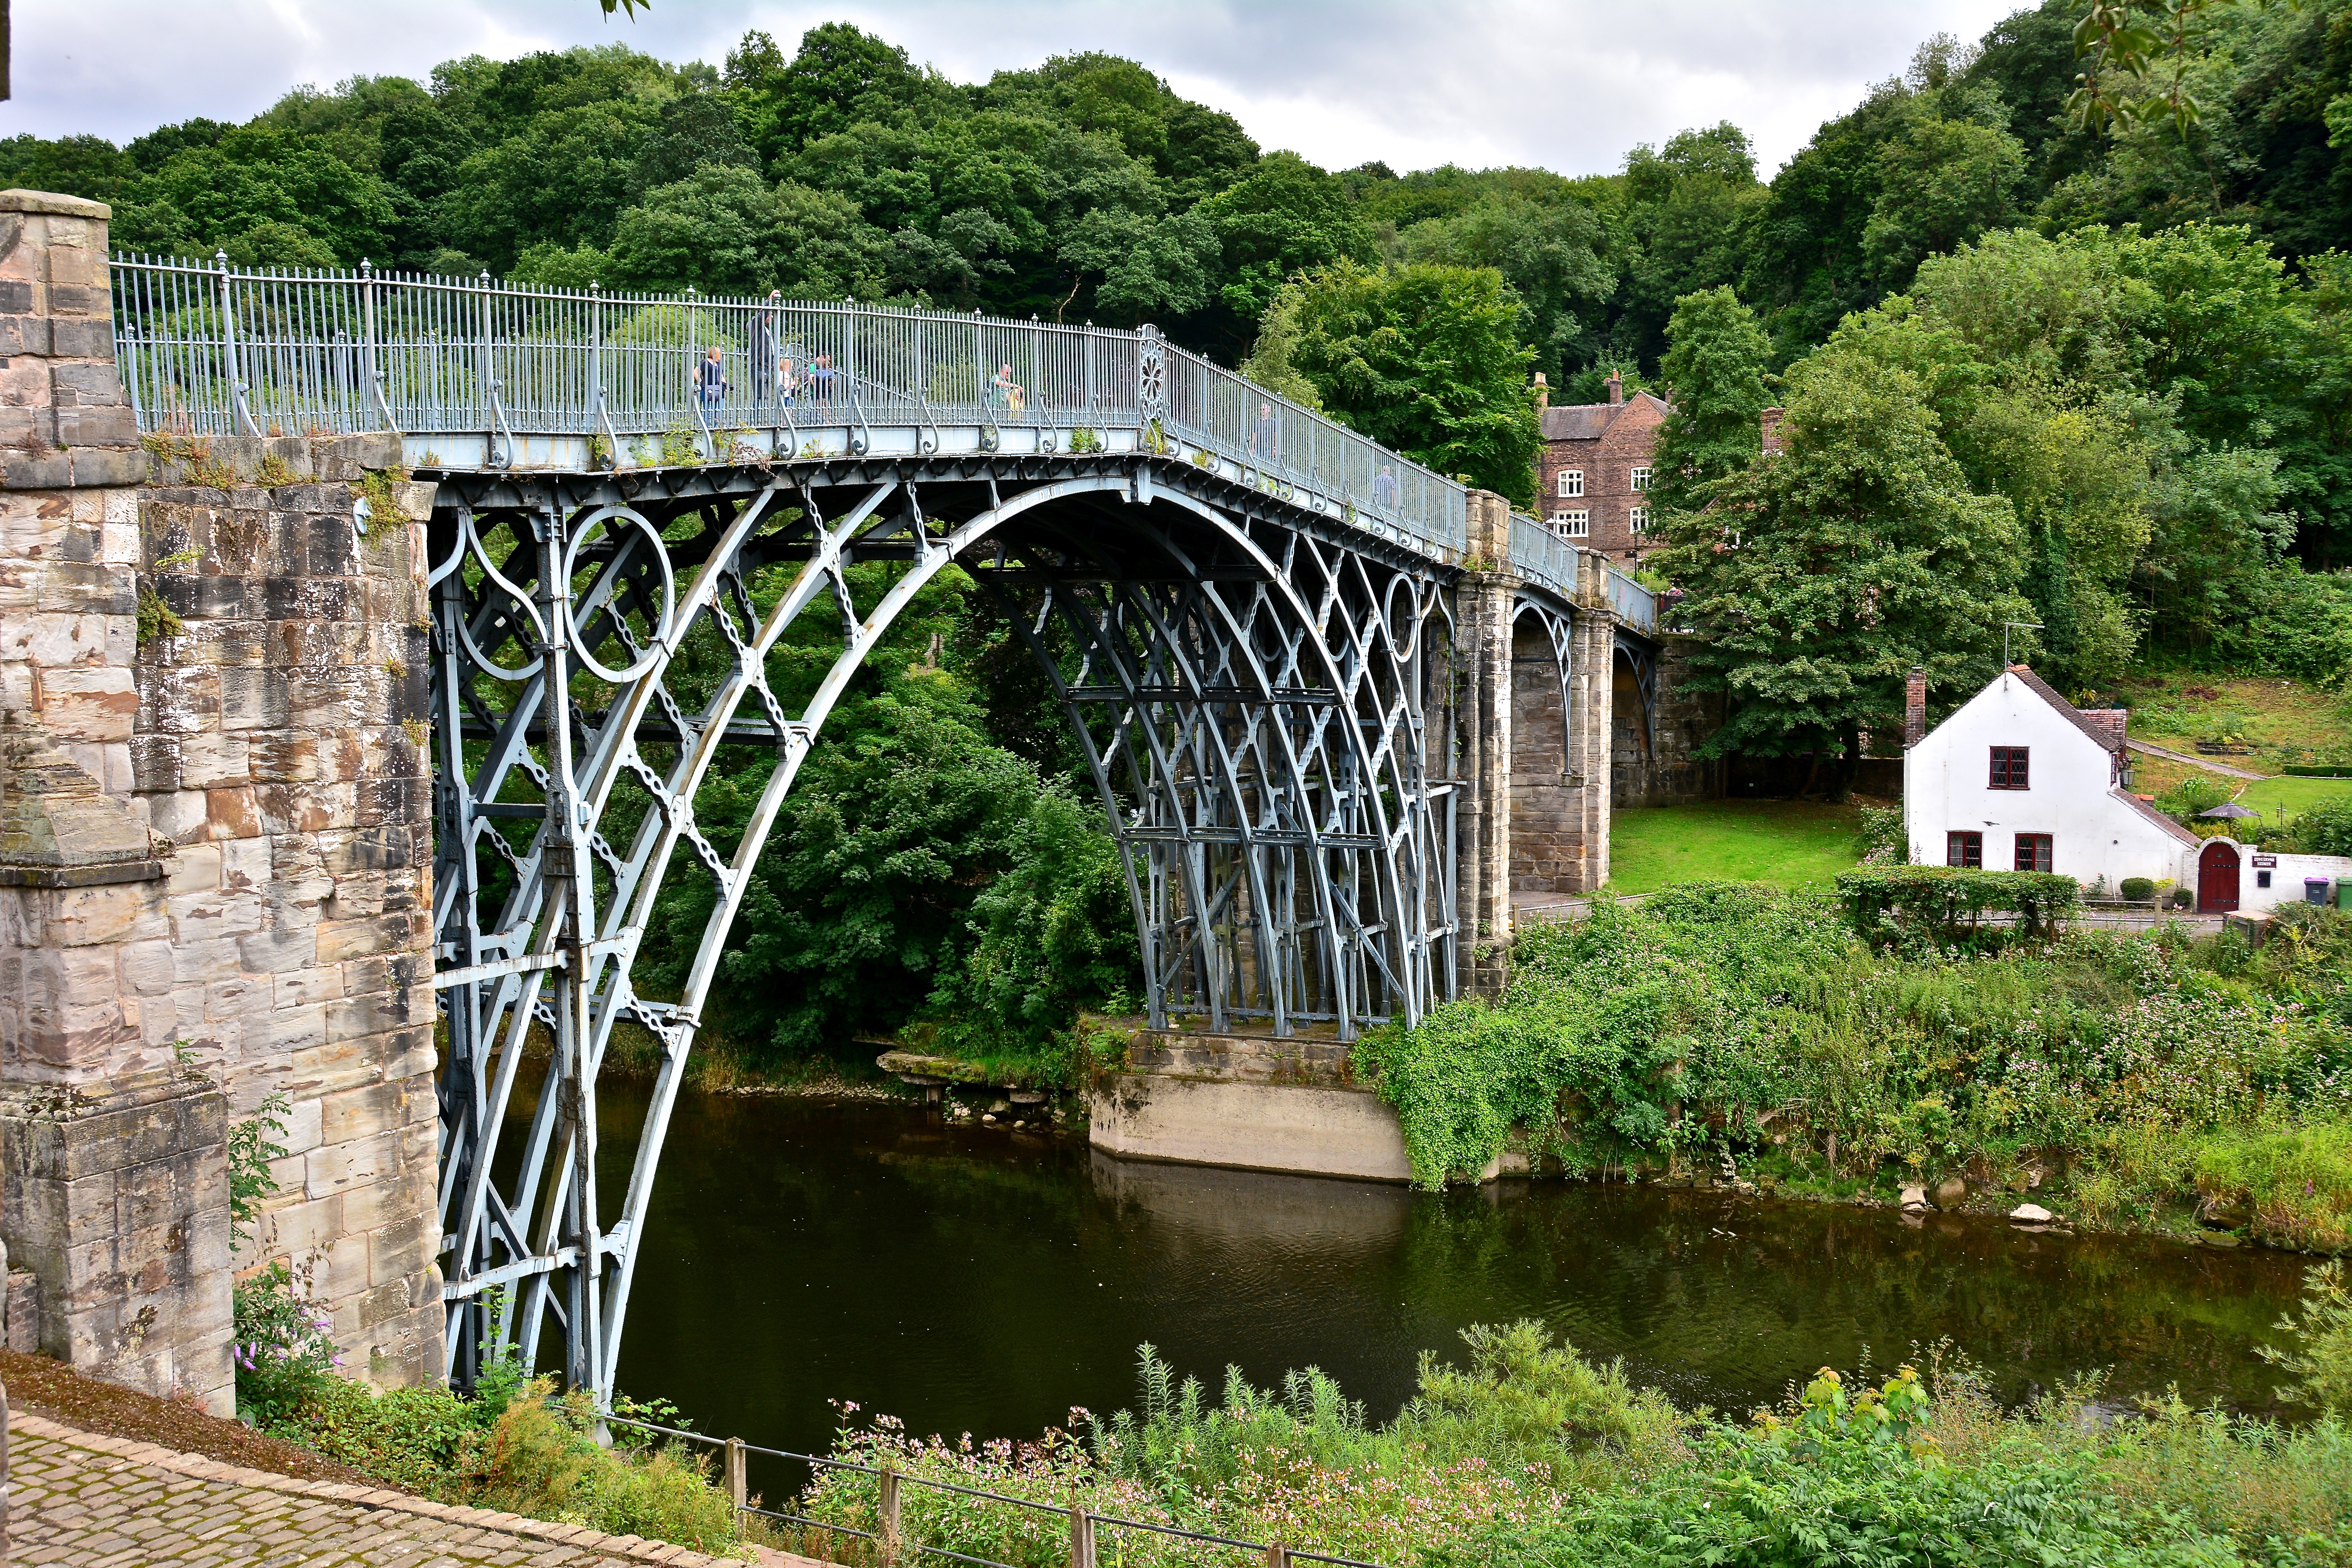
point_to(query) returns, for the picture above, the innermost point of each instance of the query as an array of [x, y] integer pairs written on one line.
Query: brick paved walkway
[[105, 1502]]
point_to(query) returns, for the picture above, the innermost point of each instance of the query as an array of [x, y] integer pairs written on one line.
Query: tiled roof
[[2109, 735], [1580, 421], [2174, 828]]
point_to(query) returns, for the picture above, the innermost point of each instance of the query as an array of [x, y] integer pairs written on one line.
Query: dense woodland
[[2083, 364]]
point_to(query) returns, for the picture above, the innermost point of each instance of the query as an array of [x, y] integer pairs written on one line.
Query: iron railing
[[892, 1541], [208, 348]]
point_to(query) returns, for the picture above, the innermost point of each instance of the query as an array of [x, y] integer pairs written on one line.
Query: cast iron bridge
[[645, 601]]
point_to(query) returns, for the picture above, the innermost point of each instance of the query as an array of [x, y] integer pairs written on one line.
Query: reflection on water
[[966, 1280]]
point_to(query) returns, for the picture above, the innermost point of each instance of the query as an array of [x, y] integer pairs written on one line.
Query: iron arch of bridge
[[1249, 685]]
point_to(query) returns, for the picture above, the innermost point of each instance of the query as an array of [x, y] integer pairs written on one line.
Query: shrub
[[2322, 1354], [284, 1359], [1946, 899], [2190, 797], [2299, 1183], [1880, 839], [2325, 829], [2137, 889]]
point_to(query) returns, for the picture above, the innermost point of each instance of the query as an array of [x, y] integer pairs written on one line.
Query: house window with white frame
[[1641, 478], [1571, 483], [1639, 519], [1572, 524]]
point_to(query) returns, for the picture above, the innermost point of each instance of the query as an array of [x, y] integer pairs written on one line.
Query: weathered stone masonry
[[213, 860]]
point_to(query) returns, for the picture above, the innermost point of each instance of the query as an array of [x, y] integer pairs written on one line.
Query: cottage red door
[[2217, 879]]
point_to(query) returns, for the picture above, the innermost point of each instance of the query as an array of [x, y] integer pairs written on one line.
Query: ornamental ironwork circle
[[661, 631], [1152, 377]]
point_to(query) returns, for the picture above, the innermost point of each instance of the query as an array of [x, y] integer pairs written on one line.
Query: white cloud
[[1569, 85]]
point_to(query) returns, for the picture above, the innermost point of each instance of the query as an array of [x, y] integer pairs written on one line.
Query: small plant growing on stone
[[274, 471], [1204, 458], [678, 447], [376, 484], [1085, 440], [810, 448], [156, 618], [252, 1144], [417, 730]]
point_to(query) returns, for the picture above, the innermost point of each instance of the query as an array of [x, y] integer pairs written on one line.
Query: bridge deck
[[484, 374]]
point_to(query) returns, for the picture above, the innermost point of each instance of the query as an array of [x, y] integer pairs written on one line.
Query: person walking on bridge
[[1266, 439], [711, 382], [767, 349], [1385, 488]]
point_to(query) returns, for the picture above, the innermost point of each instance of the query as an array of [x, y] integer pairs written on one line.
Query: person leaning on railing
[[1385, 488]]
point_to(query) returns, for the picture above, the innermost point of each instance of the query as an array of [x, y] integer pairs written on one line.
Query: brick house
[[1593, 471]]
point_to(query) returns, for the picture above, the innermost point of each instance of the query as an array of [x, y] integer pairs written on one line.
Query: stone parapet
[[64, 423], [116, 1199]]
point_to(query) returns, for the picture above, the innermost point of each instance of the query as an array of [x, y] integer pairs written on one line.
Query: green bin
[[2344, 892]]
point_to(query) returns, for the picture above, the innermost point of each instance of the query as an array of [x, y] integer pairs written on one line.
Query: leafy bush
[[1631, 1037], [1531, 1455], [1948, 900], [2323, 829], [2137, 889], [1881, 839], [2193, 794], [2299, 1182], [284, 1359], [2322, 1354]]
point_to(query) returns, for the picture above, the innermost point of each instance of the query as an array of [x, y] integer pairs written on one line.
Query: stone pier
[[215, 858]]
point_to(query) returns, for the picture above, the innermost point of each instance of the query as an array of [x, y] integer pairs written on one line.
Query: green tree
[[1820, 578], [1286, 216], [1426, 360], [1714, 366]]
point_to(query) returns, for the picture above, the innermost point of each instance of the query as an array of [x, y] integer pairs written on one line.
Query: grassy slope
[[2284, 720], [1791, 844]]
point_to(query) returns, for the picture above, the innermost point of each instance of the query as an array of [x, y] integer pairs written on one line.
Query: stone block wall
[[215, 858], [1659, 769], [269, 755]]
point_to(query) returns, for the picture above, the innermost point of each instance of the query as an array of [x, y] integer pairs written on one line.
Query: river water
[[967, 1279]]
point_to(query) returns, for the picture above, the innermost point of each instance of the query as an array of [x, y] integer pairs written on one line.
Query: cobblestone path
[[89, 1501]]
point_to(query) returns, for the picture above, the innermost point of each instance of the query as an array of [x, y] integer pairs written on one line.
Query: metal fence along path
[[479, 374]]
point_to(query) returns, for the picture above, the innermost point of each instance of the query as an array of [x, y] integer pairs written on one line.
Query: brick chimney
[[1616, 388], [1768, 422], [1914, 702], [1543, 392]]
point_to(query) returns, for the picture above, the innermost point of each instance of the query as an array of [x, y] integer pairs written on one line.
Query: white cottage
[[2021, 779]]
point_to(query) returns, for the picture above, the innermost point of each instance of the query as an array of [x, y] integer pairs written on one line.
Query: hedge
[[1949, 900]]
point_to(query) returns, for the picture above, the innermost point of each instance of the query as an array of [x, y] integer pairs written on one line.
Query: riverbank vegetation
[[514, 1445], [2123, 1080], [1527, 1453]]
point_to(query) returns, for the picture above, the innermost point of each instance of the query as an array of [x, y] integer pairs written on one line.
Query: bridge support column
[[1591, 726], [1482, 606], [214, 852]]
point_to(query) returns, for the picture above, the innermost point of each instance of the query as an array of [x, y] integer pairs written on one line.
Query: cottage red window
[[2007, 767], [1964, 850], [2034, 851]]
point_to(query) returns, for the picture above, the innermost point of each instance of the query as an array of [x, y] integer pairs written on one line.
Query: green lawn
[[1791, 844]]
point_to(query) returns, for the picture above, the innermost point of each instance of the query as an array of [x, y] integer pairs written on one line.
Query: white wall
[[2093, 833], [2286, 876]]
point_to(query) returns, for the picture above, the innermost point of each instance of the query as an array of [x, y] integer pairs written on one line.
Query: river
[[967, 1279]]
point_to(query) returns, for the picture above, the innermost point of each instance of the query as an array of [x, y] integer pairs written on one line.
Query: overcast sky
[[1568, 85]]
